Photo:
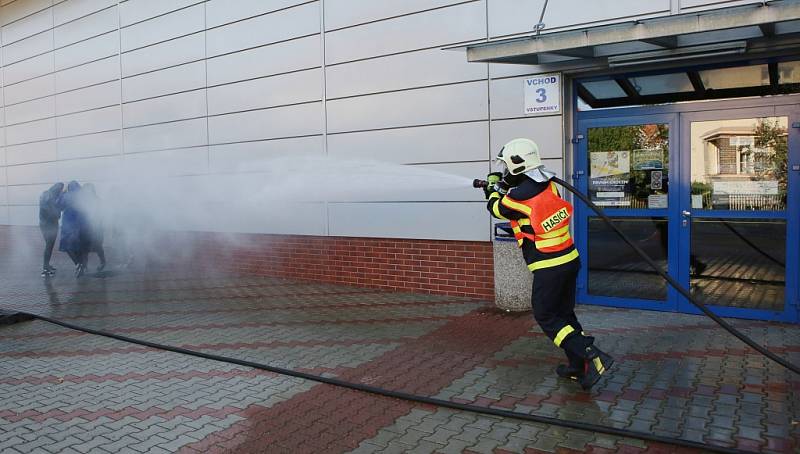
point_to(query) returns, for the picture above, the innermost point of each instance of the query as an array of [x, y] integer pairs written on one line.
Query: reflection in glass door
[[710, 191], [627, 168], [737, 211]]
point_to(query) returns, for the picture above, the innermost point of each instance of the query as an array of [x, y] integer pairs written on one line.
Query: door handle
[[685, 213]]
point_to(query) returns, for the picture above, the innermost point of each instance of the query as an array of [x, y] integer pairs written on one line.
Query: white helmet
[[520, 156]]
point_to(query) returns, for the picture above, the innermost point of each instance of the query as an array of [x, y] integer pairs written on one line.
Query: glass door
[[737, 235], [624, 166]]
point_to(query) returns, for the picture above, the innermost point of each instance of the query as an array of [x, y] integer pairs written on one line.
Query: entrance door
[[625, 167], [711, 195], [738, 239]]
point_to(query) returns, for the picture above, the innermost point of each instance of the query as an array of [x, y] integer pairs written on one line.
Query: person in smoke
[[540, 218], [74, 232], [91, 206], [49, 215]]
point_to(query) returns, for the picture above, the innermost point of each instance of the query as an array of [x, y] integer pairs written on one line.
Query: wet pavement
[[64, 391]]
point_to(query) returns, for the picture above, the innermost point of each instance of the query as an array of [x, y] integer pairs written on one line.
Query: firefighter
[[540, 218]]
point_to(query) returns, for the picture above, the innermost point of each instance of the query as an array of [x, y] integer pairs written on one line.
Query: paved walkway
[[64, 391]]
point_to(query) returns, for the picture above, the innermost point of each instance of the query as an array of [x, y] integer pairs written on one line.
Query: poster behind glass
[[628, 166]]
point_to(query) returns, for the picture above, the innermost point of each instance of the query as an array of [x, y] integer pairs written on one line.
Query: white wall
[[213, 86]]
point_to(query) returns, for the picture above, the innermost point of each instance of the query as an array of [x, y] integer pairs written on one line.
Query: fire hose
[[577, 425]]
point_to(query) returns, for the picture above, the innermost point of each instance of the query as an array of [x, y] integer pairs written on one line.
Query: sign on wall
[[543, 94]]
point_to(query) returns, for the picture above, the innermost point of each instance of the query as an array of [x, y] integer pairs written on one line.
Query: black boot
[[569, 372], [573, 370], [597, 363], [593, 361]]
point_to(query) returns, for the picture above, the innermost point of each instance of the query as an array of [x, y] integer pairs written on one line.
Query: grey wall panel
[[30, 132], [303, 86], [90, 121], [344, 13], [282, 25], [292, 55], [450, 182], [566, 13], [32, 152], [173, 52], [45, 173], [224, 11], [545, 131], [28, 69], [184, 161], [31, 110], [133, 11], [71, 10], [258, 156], [100, 71], [465, 221], [16, 10], [33, 88], [440, 143], [300, 120], [86, 27], [445, 104], [457, 190], [508, 17], [28, 26], [86, 51], [178, 23], [26, 195], [508, 99], [180, 78], [179, 134], [91, 169], [93, 97], [28, 47], [396, 72], [91, 145], [165, 108], [23, 215], [424, 30]]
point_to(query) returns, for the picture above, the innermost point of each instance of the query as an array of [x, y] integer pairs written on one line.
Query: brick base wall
[[459, 268]]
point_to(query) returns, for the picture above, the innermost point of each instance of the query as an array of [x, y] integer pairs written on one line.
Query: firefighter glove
[[493, 178]]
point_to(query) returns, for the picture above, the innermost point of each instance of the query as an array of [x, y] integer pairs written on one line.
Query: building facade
[[214, 87]]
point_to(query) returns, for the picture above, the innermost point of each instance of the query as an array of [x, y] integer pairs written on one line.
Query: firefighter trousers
[[553, 301]]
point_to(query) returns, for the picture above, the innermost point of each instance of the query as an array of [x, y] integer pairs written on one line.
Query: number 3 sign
[[543, 94]]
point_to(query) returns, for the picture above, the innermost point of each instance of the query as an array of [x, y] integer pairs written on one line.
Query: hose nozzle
[[476, 183]]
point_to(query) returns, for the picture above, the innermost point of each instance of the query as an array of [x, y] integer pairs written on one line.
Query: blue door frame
[[679, 117]]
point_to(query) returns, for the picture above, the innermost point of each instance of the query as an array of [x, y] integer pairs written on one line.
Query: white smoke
[[248, 201]]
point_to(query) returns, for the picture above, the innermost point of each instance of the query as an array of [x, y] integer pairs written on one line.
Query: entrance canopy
[[731, 52], [767, 28], [694, 83]]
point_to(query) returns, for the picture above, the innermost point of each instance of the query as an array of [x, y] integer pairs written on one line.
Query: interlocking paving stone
[[678, 375]]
